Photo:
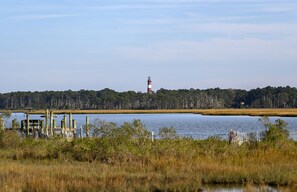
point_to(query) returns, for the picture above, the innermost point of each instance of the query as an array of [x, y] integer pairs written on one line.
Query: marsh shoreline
[[281, 112]]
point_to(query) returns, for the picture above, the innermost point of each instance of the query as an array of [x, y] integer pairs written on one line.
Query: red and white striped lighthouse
[[149, 85]]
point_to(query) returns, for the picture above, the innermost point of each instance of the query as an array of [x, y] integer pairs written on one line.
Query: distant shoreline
[[283, 112]]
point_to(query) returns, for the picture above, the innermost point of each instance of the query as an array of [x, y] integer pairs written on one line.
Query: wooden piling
[[51, 123], [46, 122], [41, 132], [70, 121], [87, 126], [62, 128], [153, 136], [81, 132], [54, 126], [50, 119], [28, 124], [65, 123], [74, 127]]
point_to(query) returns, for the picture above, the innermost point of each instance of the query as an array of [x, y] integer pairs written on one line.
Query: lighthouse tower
[[149, 85]]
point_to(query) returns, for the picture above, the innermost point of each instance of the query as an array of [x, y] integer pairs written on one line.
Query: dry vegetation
[[251, 112], [126, 164], [291, 112]]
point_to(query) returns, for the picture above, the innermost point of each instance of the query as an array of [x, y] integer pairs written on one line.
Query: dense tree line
[[268, 97]]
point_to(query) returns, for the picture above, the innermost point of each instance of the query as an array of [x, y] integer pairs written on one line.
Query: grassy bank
[[250, 112], [127, 164]]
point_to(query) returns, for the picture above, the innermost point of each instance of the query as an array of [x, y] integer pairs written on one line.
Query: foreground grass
[[250, 112], [118, 164]]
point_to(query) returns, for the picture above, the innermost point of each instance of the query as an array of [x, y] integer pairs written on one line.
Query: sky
[[117, 44]]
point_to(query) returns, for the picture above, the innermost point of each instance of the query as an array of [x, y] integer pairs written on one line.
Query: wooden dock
[[43, 128]]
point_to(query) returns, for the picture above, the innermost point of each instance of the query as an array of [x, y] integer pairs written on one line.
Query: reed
[[282, 112], [125, 159], [251, 112], [121, 164]]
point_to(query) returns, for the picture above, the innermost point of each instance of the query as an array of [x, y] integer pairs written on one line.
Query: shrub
[[102, 128], [105, 129], [9, 139], [136, 130], [275, 131], [252, 139], [167, 133], [15, 123]]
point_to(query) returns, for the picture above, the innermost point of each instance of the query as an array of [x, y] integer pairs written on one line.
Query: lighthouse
[[149, 85]]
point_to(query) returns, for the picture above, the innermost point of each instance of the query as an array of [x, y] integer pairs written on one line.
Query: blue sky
[[88, 44]]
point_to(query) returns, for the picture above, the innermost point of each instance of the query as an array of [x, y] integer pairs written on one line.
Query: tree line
[[268, 97]]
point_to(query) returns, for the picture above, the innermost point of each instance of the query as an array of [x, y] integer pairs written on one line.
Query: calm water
[[190, 125], [215, 188]]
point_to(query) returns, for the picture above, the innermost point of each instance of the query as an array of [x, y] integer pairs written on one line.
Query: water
[[215, 188], [190, 125]]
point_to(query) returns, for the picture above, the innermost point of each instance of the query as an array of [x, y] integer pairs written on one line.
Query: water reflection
[[218, 188]]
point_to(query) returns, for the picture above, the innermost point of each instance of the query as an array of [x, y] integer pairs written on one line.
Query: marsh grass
[[282, 112], [125, 159], [292, 112], [105, 164]]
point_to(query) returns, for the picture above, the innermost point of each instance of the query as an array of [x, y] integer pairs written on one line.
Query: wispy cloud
[[216, 51], [215, 18], [280, 8], [137, 6], [208, 28], [40, 17], [188, 38], [243, 28]]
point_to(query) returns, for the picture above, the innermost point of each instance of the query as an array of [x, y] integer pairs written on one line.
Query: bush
[[9, 139], [275, 131], [102, 128], [252, 139], [167, 133], [15, 123], [136, 130]]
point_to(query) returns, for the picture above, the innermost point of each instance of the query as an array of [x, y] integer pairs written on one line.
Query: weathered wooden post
[[54, 126], [70, 121], [81, 132], [62, 128], [41, 132], [74, 127], [65, 125], [46, 122], [28, 124], [50, 118], [87, 126], [51, 123], [42, 123], [153, 136]]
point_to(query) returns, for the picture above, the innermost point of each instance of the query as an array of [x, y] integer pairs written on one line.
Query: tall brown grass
[[121, 164], [125, 159], [251, 112]]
